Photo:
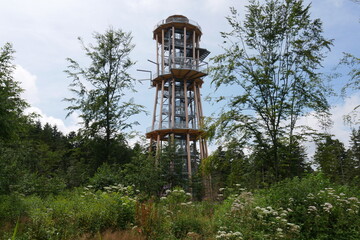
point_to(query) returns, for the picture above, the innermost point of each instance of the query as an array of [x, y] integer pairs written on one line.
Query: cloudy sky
[[44, 33]]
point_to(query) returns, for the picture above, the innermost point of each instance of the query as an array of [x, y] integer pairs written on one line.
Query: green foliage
[[104, 107], [308, 208], [142, 172], [106, 175], [11, 208], [272, 58], [323, 210], [176, 217], [72, 214], [12, 105], [334, 160]]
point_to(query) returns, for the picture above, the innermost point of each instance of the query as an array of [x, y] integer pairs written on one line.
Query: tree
[[353, 63], [333, 160], [272, 59], [354, 153], [101, 88], [11, 103]]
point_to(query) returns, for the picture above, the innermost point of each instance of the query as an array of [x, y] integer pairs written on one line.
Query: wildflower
[[310, 196], [221, 189], [289, 210], [279, 229], [312, 209], [327, 207]]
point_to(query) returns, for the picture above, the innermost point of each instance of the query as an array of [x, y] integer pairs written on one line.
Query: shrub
[[77, 212]]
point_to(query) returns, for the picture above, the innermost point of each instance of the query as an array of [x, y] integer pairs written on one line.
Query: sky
[[44, 33]]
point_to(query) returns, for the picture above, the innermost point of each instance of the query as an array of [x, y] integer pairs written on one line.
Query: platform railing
[[182, 63], [177, 20], [176, 126]]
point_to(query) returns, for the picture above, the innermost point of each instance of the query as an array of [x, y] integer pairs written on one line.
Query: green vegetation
[[308, 208], [91, 184]]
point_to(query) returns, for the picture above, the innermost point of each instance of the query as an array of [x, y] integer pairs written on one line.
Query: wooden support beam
[[173, 47], [188, 155], [157, 55], [161, 103], [186, 105], [184, 44], [194, 46], [155, 105], [173, 104], [162, 52]]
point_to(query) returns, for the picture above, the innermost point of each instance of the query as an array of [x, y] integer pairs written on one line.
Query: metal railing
[[177, 20], [182, 63], [176, 126]]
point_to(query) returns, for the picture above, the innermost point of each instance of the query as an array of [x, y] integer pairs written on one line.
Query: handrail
[[177, 20], [182, 63], [164, 127]]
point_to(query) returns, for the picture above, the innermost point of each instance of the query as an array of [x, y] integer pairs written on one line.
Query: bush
[[106, 175], [78, 212], [11, 208], [308, 208], [323, 210]]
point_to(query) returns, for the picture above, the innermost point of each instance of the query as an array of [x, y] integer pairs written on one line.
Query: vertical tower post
[[177, 117]]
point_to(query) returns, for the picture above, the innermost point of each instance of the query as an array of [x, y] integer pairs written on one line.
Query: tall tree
[[11, 103], [331, 156], [101, 87], [272, 58], [354, 153]]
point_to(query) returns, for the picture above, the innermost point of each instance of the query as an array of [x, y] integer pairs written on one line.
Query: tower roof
[[178, 21]]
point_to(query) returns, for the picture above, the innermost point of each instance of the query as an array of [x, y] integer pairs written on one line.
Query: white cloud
[[43, 118], [339, 129], [28, 83], [337, 3]]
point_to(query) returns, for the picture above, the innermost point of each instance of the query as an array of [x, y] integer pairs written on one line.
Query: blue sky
[[44, 33]]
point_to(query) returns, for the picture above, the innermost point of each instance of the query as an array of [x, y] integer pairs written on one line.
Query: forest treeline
[[273, 58]]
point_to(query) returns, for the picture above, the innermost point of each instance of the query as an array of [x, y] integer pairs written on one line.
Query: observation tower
[[178, 115]]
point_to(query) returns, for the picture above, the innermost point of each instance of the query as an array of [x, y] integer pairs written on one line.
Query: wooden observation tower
[[178, 115]]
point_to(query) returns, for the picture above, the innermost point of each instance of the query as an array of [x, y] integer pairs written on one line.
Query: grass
[[309, 208]]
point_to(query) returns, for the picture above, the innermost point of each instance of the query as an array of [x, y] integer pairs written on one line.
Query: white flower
[[353, 199], [312, 209], [327, 207]]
